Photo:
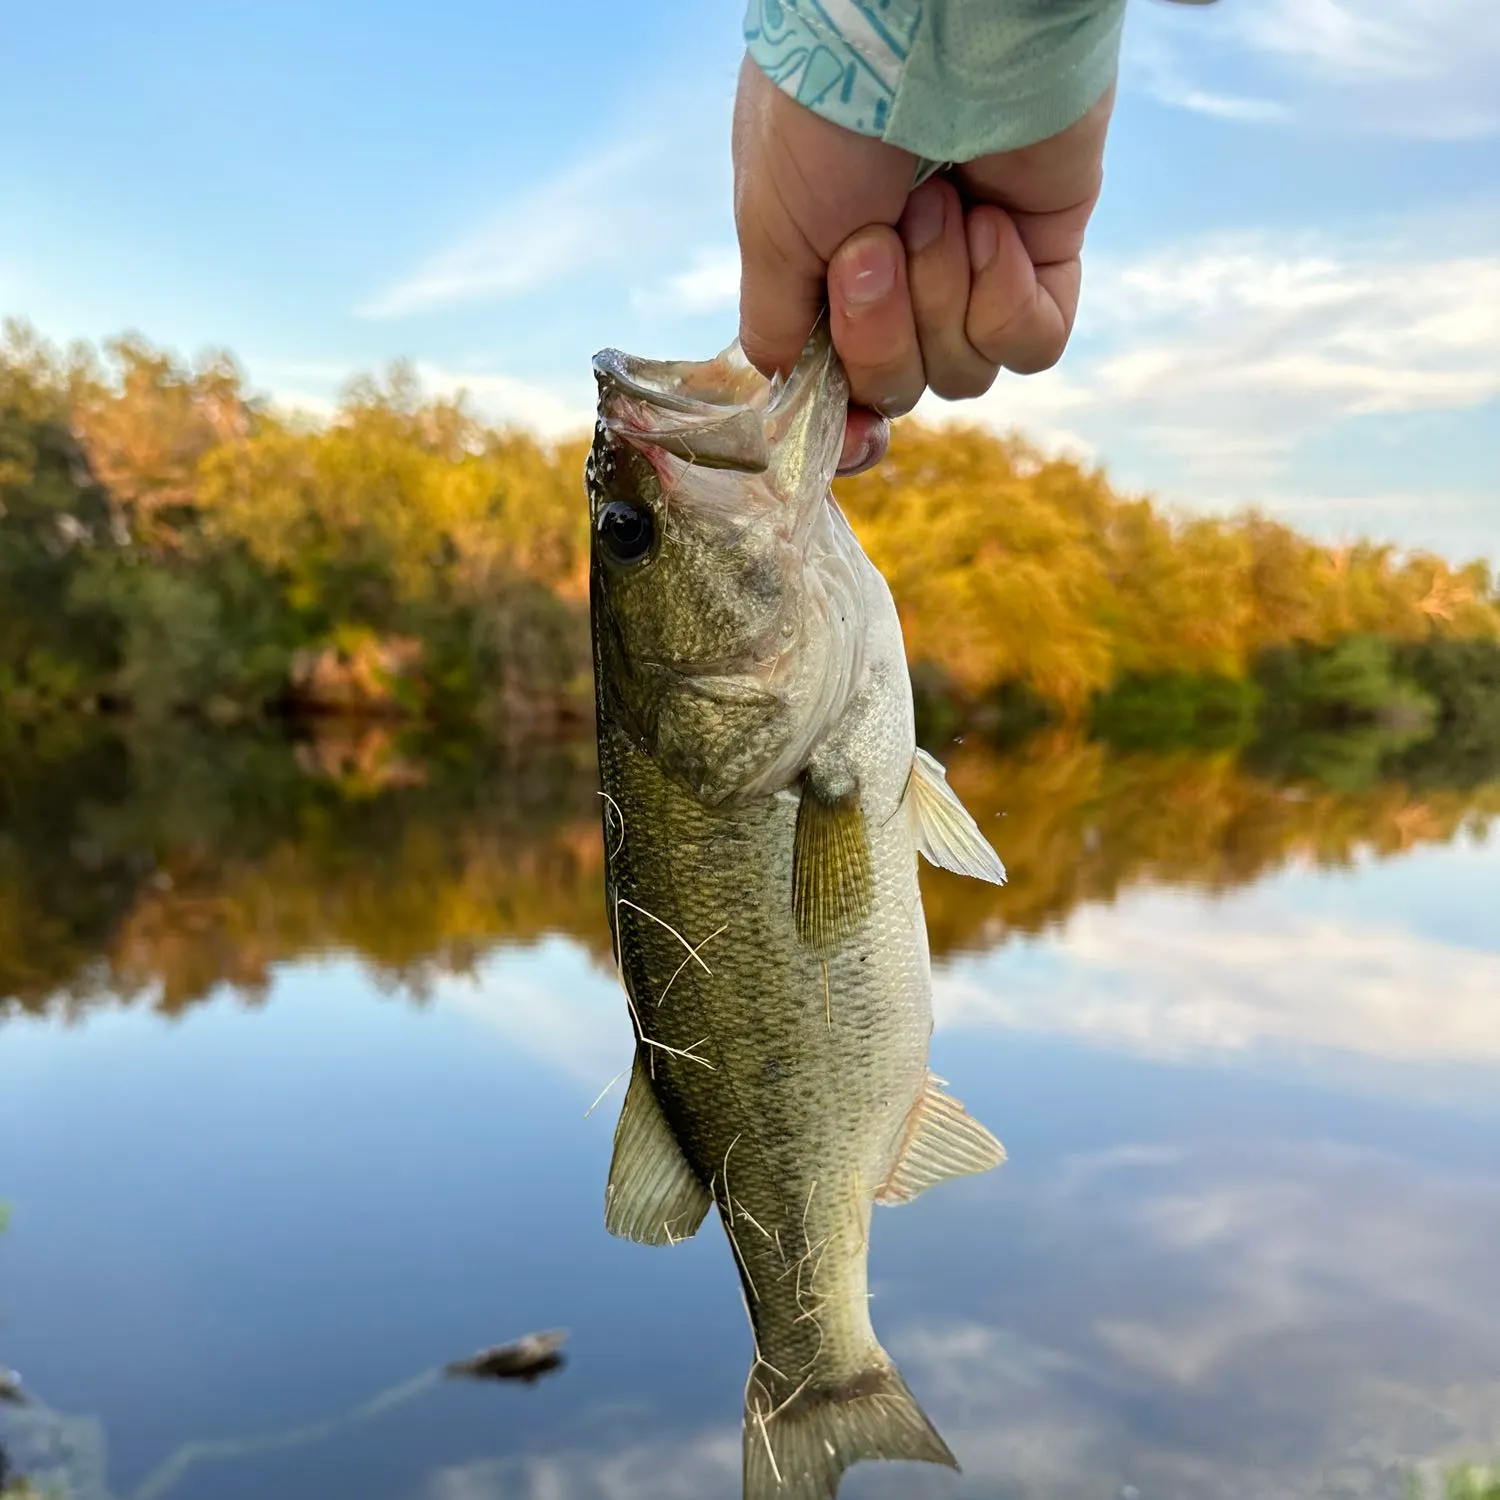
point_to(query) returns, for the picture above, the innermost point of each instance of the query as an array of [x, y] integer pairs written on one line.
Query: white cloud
[[709, 284], [1309, 332], [1456, 525], [292, 402], [1037, 406], [1207, 368], [1415, 68], [1240, 1284], [305, 386], [1231, 1322], [589, 215], [1303, 1236], [552, 1003], [690, 1466], [1146, 976], [1390, 39], [1228, 106], [622, 210], [550, 409], [1154, 65], [317, 371]]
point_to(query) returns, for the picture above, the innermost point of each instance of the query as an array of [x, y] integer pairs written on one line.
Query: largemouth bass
[[764, 804]]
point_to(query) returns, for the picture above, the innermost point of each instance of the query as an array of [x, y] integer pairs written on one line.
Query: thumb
[[802, 186], [782, 290], [783, 279]]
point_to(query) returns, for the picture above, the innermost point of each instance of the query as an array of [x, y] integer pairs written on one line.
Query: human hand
[[941, 287]]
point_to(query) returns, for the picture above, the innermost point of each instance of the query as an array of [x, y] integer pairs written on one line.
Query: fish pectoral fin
[[798, 1448], [944, 829], [832, 885], [942, 1140], [654, 1197]]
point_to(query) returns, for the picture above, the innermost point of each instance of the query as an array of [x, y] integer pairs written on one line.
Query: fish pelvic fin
[[943, 828], [942, 1141], [654, 1197], [800, 1449]]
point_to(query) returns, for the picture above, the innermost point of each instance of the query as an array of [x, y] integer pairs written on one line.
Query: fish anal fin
[[943, 828], [942, 1140], [832, 882], [654, 1197], [800, 1450]]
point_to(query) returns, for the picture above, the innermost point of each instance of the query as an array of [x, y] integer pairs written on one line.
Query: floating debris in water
[[526, 1359]]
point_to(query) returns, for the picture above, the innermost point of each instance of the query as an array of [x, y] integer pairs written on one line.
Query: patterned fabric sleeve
[[947, 79]]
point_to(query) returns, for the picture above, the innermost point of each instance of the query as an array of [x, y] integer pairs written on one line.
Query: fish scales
[[812, 1081], [764, 804]]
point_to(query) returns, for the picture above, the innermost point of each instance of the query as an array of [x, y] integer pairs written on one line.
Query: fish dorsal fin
[[654, 1197], [832, 886], [944, 829], [942, 1140]]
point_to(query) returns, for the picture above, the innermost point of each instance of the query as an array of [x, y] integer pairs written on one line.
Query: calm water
[[292, 1111]]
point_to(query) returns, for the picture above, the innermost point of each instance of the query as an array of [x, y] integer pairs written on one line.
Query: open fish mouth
[[719, 413]]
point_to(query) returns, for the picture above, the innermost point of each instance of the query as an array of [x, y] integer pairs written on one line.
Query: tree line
[[170, 544]]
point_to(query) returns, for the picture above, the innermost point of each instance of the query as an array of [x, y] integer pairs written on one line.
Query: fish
[[11, 1390], [527, 1359], [764, 805]]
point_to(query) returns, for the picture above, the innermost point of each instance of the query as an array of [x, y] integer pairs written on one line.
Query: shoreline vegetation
[[163, 866], [171, 546], [272, 688]]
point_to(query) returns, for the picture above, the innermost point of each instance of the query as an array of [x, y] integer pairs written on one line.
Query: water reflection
[[156, 868], [1243, 1246], [1267, 975], [1190, 1322]]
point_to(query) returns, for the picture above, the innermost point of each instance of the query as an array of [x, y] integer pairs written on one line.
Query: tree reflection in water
[[155, 868]]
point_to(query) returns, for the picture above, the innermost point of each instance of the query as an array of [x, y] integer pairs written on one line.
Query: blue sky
[[1292, 287]]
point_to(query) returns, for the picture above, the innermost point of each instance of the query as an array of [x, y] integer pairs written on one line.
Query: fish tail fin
[[799, 1450]]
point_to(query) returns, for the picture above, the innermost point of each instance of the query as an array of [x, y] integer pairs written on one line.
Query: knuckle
[[1003, 335], [939, 293]]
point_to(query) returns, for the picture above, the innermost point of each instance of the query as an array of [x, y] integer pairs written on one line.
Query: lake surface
[[294, 1082]]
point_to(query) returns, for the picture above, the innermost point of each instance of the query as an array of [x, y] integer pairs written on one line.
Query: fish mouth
[[720, 413]]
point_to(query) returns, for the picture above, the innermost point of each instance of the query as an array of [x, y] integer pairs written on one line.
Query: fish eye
[[625, 531]]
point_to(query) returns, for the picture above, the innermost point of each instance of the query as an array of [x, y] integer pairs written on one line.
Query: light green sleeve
[[947, 79]]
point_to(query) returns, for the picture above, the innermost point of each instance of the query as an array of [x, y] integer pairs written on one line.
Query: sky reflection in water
[[1244, 1245]]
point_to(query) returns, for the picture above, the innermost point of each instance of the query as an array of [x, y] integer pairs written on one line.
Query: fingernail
[[852, 463], [922, 222], [984, 240], [868, 273], [895, 406], [865, 440]]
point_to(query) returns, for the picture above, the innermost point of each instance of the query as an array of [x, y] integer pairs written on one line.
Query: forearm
[[949, 80]]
